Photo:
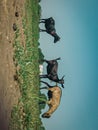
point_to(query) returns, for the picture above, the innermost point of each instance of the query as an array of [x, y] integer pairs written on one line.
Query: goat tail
[[59, 58], [46, 115]]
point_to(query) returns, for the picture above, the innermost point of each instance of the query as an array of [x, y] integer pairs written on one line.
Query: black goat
[[52, 69], [54, 97], [50, 28]]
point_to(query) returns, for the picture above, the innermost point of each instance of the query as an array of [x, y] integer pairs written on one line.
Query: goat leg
[[44, 88], [42, 30], [42, 22], [46, 84], [43, 76]]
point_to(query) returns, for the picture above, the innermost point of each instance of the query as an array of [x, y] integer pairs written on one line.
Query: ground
[[9, 89]]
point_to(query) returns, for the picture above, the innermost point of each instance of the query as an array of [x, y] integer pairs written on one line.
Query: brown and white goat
[[54, 97]]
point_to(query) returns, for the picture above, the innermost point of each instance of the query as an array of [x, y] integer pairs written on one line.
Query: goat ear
[[62, 86]]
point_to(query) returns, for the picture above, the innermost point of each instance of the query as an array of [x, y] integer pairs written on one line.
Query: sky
[[76, 22]]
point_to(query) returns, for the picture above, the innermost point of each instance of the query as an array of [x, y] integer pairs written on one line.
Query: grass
[[26, 114]]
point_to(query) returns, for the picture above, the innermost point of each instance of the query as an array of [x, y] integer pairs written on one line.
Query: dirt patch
[[9, 89]]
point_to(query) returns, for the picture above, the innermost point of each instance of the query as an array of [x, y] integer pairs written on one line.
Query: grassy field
[[26, 114]]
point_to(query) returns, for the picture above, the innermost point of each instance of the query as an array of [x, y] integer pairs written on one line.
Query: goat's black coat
[[52, 69]]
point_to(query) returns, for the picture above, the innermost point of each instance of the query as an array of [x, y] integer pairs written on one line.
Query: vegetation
[[26, 114]]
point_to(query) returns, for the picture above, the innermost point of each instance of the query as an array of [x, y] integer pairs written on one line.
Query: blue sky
[[77, 25]]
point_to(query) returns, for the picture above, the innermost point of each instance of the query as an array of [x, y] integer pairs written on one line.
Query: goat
[[52, 69], [54, 97], [50, 28]]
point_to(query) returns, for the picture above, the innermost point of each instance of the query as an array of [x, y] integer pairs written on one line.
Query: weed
[[26, 114]]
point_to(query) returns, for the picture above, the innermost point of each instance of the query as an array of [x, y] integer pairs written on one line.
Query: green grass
[[26, 114]]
